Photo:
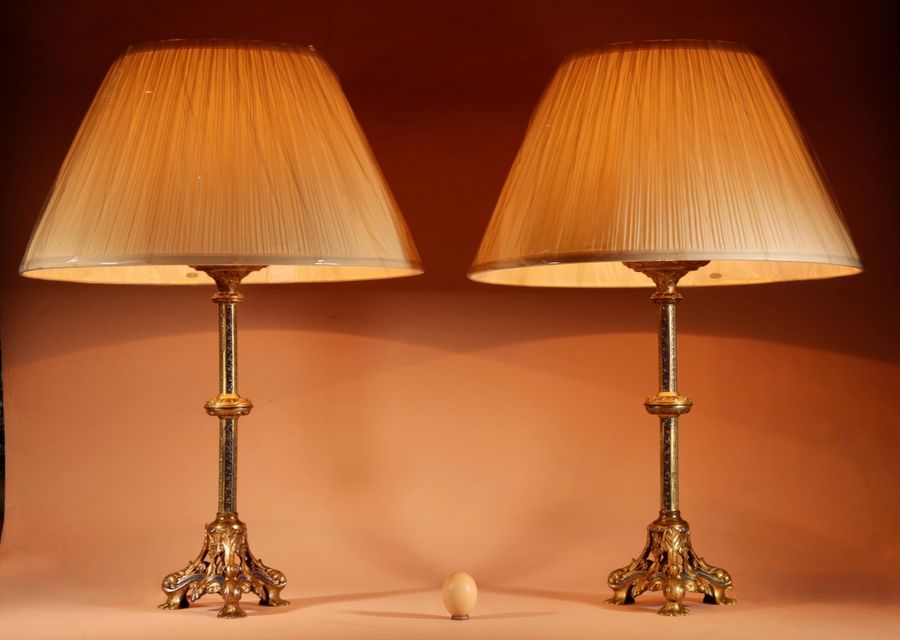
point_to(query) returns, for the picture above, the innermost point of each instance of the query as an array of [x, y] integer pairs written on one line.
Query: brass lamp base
[[224, 566], [669, 563]]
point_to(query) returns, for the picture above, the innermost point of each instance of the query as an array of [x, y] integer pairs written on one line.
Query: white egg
[[459, 593]]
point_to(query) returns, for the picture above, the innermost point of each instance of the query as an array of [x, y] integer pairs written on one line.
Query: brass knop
[[228, 405], [668, 403]]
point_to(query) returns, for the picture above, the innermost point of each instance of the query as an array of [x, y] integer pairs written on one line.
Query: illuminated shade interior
[[672, 150], [219, 153]]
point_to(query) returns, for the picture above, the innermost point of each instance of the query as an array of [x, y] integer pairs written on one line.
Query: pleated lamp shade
[[663, 151], [203, 153]]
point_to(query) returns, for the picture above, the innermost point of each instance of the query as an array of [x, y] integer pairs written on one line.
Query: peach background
[[407, 429]]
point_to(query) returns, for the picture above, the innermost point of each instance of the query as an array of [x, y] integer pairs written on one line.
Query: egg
[[459, 593]]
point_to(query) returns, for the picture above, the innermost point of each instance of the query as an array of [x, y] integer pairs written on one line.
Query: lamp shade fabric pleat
[[663, 151], [219, 153]]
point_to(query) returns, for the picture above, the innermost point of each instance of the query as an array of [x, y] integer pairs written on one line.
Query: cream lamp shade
[[664, 151], [203, 153]]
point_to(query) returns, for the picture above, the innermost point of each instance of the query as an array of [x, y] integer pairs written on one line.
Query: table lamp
[[655, 163], [240, 161]]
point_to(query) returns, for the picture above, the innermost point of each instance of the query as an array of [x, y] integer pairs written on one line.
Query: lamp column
[[229, 405], [225, 564], [668, 561]]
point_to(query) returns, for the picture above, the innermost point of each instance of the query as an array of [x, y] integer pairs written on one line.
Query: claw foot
[[174, 601], [273, 598]]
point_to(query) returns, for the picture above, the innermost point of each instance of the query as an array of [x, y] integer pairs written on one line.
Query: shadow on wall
[[470, 319]]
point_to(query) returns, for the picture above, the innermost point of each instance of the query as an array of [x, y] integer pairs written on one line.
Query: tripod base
[[669, 563], [224, 566]]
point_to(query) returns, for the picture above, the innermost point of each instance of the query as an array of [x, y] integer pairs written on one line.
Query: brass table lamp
[[239, 160], [677, 161]]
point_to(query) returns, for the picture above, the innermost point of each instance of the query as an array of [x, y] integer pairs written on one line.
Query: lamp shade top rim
[[221, 43], [673, 43]]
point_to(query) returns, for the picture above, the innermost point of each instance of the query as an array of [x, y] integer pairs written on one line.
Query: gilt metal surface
[[225, 564], [668, 562]]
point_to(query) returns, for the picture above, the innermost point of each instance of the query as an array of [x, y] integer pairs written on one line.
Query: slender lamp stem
[[227, 386], [668, 425], [229, 405]]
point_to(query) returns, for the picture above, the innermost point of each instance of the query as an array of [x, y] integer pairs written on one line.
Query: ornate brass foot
[[224, 566], [669, 563]]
